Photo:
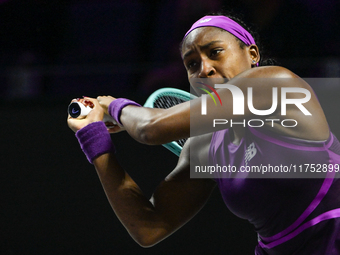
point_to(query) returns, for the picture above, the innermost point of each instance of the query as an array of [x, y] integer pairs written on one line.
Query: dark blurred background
[[52, 51]]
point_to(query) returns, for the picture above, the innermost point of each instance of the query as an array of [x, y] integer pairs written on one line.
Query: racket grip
[[108, 118], [79, 110]]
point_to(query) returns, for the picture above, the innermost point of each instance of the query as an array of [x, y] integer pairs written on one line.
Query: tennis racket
[[165, 98]]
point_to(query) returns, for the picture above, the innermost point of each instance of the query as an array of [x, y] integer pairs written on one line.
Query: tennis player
[[291, 216]]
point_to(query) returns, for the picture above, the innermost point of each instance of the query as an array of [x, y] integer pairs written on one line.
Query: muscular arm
[[157, 126], [175, 201]]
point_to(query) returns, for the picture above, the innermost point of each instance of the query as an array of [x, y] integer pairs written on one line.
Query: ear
[[254, 55]]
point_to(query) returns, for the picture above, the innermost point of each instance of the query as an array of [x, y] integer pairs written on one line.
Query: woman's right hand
[[96, 114]]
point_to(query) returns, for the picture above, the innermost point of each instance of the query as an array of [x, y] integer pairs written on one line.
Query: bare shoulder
[[268, 72], [269, 76], [306, 111]]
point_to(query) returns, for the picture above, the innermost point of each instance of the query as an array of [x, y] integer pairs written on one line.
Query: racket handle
[[78, 110], [108, 118]]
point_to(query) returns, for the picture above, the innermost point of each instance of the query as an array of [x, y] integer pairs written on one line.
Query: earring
[[254, 61]]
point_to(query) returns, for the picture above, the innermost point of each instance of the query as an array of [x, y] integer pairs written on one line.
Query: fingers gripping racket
[[165, 98], [77, 109]]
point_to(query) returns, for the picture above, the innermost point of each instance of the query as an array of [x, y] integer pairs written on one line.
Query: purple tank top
[[290, 215]]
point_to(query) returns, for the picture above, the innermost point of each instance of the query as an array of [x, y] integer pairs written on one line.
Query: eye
[[215, 52], [191, 64]]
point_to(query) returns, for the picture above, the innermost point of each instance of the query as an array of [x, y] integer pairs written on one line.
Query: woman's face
[[209, 52]]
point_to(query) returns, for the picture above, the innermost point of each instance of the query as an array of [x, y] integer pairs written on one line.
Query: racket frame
[[181, 94]]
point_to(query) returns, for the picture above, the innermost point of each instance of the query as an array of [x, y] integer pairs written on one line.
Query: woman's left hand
[[105, 101]]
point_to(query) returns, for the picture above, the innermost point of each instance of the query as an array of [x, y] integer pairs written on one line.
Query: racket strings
[[165, 102]]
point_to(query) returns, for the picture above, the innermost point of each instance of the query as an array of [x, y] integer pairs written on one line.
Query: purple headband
[[226, 24]]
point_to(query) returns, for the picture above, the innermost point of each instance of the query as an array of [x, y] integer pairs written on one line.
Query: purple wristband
[[116, 107], [95, 140]]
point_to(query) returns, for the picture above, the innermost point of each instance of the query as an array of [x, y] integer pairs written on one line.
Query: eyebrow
[[203, 47]]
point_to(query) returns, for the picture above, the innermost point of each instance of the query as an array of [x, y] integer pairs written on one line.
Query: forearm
[[132, 208], [147, 222], [175, 201], [156, 126]]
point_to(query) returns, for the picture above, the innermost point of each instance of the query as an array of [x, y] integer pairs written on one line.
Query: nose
[[206, 69]]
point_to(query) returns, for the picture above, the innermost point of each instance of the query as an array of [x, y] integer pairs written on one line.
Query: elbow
[[148, 240], [148, 237], [146, 243]]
